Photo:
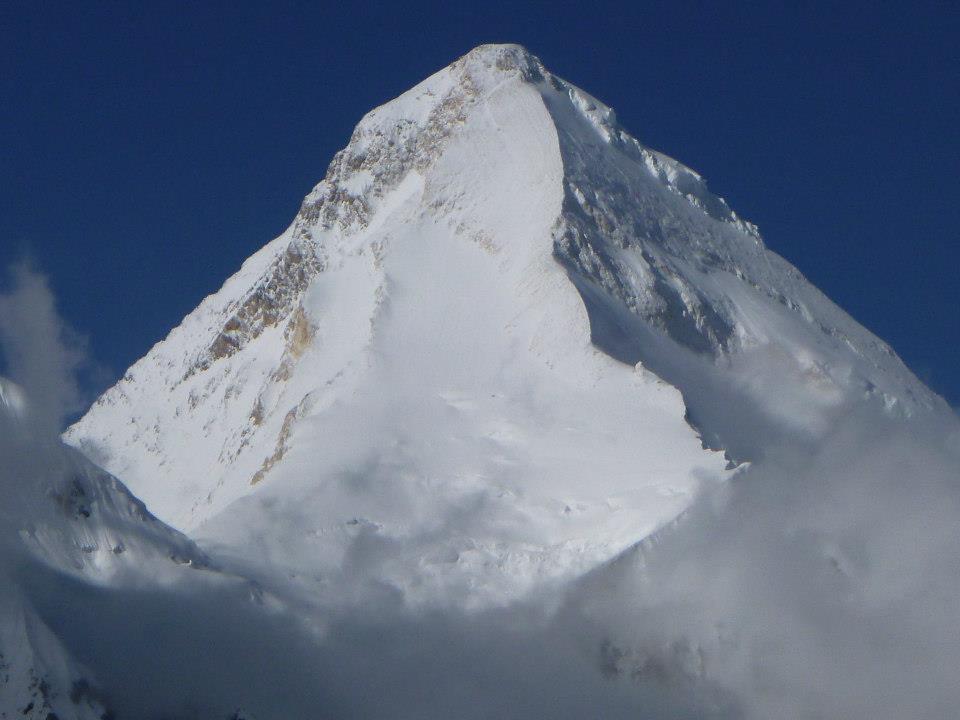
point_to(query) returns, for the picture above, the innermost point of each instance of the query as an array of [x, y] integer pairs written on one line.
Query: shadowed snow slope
[[64, 522], [441, 378]]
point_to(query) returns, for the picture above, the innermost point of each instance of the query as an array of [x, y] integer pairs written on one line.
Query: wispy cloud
[[41, 353]]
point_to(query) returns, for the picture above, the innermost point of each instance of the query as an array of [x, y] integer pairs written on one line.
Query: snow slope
[[63, 521], [441, 378]]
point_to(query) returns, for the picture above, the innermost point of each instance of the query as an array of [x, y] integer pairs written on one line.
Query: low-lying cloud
[[820, 583]]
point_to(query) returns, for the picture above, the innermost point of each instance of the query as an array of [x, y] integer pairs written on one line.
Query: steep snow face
[[673, 277], [436, 376], [63, 521]]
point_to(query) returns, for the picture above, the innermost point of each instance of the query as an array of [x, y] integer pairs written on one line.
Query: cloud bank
[[815, 584], [823, 582]]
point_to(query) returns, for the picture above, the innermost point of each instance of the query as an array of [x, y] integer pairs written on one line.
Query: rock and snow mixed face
[[437, 375]]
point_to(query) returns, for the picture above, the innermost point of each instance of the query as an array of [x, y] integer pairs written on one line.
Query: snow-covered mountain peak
[[409, 131], [477, 348]]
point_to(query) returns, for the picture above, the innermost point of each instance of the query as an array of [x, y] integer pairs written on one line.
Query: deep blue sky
[[147, 149]]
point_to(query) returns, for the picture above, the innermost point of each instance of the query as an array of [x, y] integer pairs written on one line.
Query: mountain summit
[[516, 419], [501, 342]]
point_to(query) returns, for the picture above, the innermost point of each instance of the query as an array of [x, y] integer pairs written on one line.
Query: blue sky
[[149, 148]]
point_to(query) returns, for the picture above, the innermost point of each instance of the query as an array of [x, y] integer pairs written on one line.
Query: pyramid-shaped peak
[[479, 350]]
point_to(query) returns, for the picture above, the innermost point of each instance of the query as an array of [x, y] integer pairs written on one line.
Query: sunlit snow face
[[424, 488]]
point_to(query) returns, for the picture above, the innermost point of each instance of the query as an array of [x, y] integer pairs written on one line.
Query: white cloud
[[41, 353], [823, 582]]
